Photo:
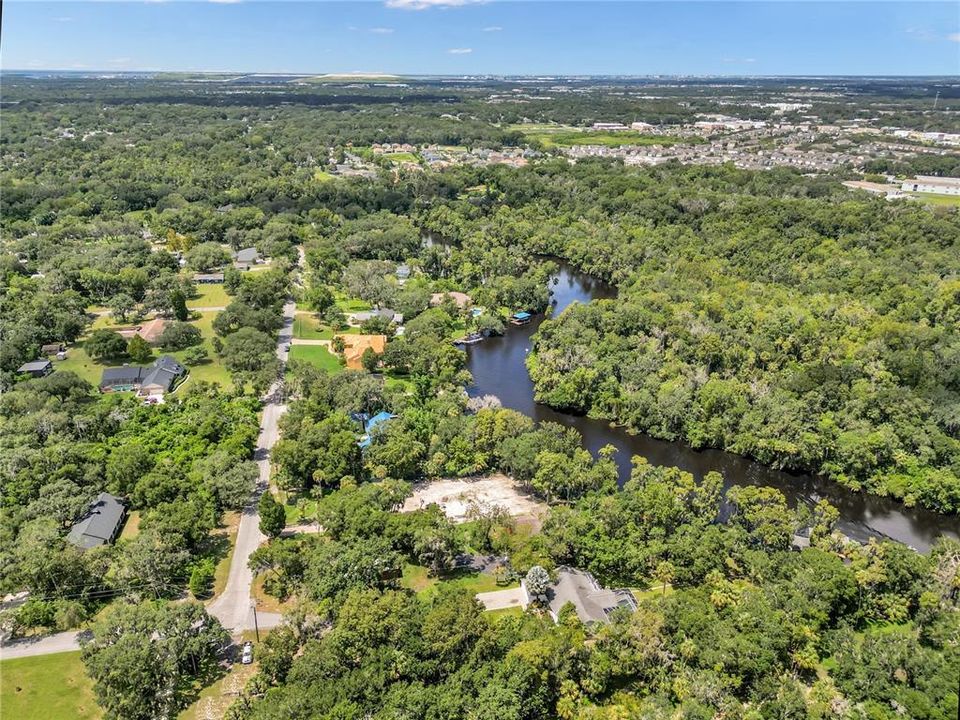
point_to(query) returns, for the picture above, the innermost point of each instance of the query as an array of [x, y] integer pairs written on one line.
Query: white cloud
[[954, 37], [460, 51], [427, 4], [493, 28], [381, 30], [739, 60]]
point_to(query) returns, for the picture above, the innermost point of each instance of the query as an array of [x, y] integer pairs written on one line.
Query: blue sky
[[469, 37]]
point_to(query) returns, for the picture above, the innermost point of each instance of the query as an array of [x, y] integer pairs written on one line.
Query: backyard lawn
[[210, 295], [90, 370], [417, 578], [317, 355], [54, 687]]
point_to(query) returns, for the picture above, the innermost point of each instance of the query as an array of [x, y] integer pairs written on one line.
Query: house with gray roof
[[36, 368], [156, 379], [592, 602], [101, 524], [246, 257]]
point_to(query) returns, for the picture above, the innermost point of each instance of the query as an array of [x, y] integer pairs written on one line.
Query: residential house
[[461, 299], [156, 379], [52, 349], [246, 258], [378, 420], [592, 602], [208, 278], [387, 314], [36, 368], [355, 345], [101, 524]]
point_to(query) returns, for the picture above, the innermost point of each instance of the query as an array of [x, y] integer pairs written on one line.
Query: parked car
[[247, 656]]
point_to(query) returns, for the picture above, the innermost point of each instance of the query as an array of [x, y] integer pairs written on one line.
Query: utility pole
[[256, 626]]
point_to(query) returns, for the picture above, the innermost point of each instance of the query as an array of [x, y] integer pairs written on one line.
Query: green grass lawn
[[296, 510], [401, 157], [52, 687], [417, 578], [131, 528], [935, 199], [210, 295], [89, 369], [317, 355], [504, 613], [307, 327], [322, 176], [611, 139], [348, 304]]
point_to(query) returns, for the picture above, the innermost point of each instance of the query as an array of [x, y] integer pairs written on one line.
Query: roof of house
[[100, 523], [34, 366], [378, 419], [403, 271], [355, 345], [461, 299], [592, 602], [521, 315], [249, 254], [125, 375], [163, 372]]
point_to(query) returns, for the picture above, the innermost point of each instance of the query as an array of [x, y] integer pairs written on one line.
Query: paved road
[[234, 606], [46, 645]]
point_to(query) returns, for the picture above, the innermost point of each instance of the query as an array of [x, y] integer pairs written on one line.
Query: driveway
[[503, 599], [46, 645]]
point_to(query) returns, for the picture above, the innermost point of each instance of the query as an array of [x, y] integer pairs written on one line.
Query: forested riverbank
[[763, 314]]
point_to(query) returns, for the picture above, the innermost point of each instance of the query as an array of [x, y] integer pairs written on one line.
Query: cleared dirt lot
[[455, 496]]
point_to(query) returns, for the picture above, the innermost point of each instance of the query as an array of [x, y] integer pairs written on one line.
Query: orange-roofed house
[[355, 345]]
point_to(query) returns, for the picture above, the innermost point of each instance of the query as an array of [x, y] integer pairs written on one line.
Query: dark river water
[[498, 369]]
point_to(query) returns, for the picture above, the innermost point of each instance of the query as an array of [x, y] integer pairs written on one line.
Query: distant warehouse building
[[930, 184], [101, 524]]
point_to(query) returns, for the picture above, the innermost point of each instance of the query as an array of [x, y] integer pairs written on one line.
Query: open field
[[52, 687], [317, 355], [417, 578], [210, 295], [454, 496], [935, 199]]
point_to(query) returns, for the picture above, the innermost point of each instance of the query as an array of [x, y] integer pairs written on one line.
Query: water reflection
[[498, 369]]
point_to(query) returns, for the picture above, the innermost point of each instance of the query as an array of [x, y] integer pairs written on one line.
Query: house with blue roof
[[381, 418]]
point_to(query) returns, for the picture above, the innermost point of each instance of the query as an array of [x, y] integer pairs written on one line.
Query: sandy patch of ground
[[455, 495]]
